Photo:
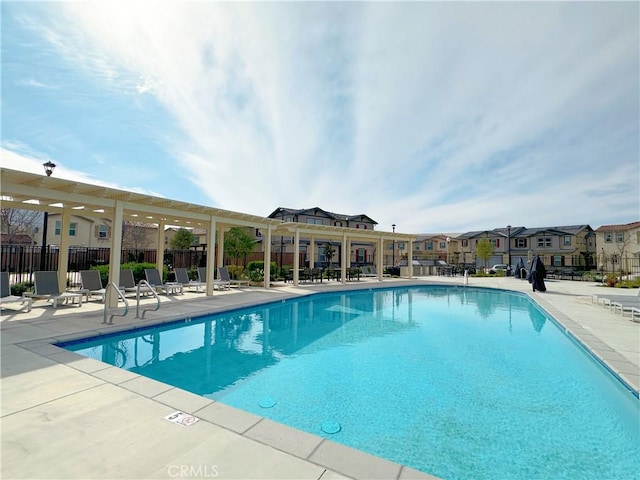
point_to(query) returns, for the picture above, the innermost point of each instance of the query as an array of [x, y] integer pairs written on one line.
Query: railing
[[106, 304], [144, 283]]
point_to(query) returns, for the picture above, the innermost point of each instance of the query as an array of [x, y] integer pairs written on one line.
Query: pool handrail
[[106, 304], [153, 292]]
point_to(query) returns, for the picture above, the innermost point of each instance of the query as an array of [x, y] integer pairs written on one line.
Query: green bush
[[138, 270], [256, 270], [236, 271], [19, 288]]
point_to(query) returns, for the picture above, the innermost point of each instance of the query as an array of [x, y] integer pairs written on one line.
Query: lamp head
[[48, 168]]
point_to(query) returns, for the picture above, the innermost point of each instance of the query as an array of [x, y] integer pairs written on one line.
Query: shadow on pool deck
[[66, 416]]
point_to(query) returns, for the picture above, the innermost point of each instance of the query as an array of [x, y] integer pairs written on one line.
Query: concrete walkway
[[67, 416]]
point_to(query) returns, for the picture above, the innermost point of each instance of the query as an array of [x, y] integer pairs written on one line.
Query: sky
[[433, 116]]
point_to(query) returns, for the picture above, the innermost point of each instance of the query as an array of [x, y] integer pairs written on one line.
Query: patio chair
[[223, 273], [154, 279], [202, 276], [46, 286], [182, 277], [91, 281], [128, 283], [5, 293]]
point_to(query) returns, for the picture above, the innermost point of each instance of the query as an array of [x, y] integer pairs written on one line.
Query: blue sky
[[435, 116]]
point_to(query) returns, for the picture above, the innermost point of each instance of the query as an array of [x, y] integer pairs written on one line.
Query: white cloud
[[434, 116]]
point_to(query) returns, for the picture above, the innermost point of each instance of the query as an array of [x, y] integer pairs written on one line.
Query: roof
[[618, 227], [315, 211]]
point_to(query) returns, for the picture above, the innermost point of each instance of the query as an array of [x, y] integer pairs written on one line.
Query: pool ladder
[[147, 288], [121, 296]]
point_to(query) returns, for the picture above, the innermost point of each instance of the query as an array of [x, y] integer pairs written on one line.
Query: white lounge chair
[[182, 277], [154, 279], [46, 286], [219, 284], [91, 281], [5, 293], [223, 273], [128, 283]]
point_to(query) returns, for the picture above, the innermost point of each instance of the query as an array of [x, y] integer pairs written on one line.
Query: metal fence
[[22, 260]]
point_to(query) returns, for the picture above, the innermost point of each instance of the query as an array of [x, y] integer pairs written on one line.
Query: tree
[[238, 243], [329, 252], [18, 226], [135, 235], [182, 240], [484, 250]]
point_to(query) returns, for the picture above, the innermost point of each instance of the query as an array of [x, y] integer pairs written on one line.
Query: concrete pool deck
[[67, 416]]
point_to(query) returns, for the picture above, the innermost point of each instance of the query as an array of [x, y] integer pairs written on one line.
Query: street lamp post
[[393, 247], [48, 169], [509, 249]]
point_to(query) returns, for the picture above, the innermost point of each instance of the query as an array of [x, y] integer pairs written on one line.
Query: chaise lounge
[[5, 293], [46, 287]]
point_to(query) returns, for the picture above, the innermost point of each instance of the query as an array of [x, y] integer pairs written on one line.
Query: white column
[[380, 259], [296, 258], [115, 256], [211, 255], [346, 253], [267, 258], [410, 258], [160, 247], [63, 255], [312, 251]]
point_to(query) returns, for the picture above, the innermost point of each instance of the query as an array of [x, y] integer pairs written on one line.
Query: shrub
[[19, 288], [235, 271]]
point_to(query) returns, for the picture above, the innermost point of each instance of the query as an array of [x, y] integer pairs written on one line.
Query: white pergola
[[22, 190]]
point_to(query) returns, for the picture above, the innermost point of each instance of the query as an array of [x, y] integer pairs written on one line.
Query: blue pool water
[[457, 382]]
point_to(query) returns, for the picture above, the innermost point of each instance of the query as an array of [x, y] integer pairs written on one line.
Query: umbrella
[[520, 270]]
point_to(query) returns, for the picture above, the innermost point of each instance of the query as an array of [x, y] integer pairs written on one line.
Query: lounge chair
[[182, 277], [224, 276], [128, 283], [92, 283], [46, 286], [5, 293], [623, 303], [202, 276], [154, 279]]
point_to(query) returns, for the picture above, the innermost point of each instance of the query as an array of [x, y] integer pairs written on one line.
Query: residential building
[[619, 247], [571, 246], [437, 246], [283, 246]]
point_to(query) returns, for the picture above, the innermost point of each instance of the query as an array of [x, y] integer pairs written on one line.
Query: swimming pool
[[457, 382]]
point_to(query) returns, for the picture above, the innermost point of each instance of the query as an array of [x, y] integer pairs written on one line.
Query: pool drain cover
[[331, 427], [267, 402]]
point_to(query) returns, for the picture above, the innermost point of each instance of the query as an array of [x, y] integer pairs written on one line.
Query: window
[[166, 240], [72, 228], [360, 255], [337, 224], [619, 237], [521, 243], [443, 245], [495, 242], [318, 221], [400, 245], [558, 260], [196, 240], [390, 246], [429, 245], [361, 225], [417, 246], [544, 242], [465, 243], [102, 231], [608, 237], [567, 240]]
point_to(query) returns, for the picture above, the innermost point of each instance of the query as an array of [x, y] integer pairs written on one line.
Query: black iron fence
[[22, 260]]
